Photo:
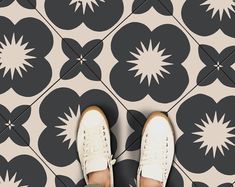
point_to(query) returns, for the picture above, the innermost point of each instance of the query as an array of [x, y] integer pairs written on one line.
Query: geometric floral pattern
[[208, 118], [212, 16], [130, 58]]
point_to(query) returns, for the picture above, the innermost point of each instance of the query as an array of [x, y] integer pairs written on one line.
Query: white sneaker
[[157, 148], [93, 142]]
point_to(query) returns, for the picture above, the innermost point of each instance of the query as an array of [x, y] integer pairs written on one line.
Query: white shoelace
[[152, 155], [95, 142]]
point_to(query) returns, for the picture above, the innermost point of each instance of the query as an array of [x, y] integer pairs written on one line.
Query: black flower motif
[[77, 59], [98, 15], [16, 124], [149, 62], [205, 17], [30, 4], [23, 71], [201, 118], [163, 7], [61, 181], [200, 184], [61, 122], [22, 170], [220, 61], [132, 116]]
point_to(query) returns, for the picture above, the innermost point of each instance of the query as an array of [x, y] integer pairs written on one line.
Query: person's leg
[[100, 177], [94, 148], [157, 151], [93, 185]]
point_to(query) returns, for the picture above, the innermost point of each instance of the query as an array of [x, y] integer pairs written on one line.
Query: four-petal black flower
[[11, 122], [200, 184], [164, 7], [61, 120], [201, 118], [98, 15], [61, 181], [225, 60], [205, 17], [30, 4], [149, 62], [22, 170], [78, 56], [22, 56]]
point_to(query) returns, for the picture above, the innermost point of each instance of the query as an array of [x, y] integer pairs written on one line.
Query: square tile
[[204, 127], [20, 166], [209, 23]]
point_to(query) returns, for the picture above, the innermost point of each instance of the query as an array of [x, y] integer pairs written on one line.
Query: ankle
[[147, 182], [100, 177]]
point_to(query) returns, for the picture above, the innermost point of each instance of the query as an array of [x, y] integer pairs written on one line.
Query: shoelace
[[95, 142], [151, 154], [111, 161], [164, 159]]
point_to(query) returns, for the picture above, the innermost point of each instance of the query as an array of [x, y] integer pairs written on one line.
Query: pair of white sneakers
[[94, 149]]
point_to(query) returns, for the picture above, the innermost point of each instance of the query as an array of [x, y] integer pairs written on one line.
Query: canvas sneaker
[[157, 148], [93, 143]]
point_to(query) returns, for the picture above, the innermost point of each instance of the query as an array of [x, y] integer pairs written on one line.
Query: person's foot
[[157, 151], [94, 149]]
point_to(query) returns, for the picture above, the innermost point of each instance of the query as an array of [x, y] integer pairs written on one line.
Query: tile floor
[[129, 57]]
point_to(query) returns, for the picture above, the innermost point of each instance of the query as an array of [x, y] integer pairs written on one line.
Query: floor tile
[[210, 25], [50, 125], [20, 166], [31, 54], [144, 86], [204, 126]]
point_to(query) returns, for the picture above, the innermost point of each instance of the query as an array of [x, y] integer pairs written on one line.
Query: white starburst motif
[[213, 127], [85, 4], [150, 62], [69, 126], [10, 182], [222, 7], [14, 55]]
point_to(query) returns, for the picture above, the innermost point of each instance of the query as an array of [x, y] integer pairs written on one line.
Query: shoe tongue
[[96, 164], [152, 171]]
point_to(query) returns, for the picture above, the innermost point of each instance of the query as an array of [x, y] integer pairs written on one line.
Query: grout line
[[192, 89], [38, 156], [183, 171], [4, 129], [197, 41], [137, 139], [3, 117]]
